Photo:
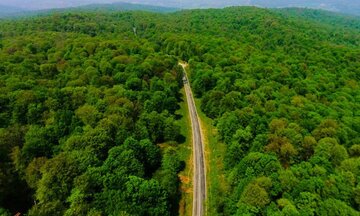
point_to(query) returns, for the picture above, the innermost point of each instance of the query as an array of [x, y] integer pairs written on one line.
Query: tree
[[168, 177], [49, 208], [287, 207], [146, 152], [48, 70], [38, 143], [134, 84], [159, 127], [255, 194], [125, 160], [308, 145], [335, 207], [33, 171], [354, 151], [282, 147], [327, 128], [88, 114], [253, 165], [145, 197], [56, 181], [331, 150]]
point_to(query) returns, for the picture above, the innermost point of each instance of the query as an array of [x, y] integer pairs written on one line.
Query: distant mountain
[[119, 6], [323, 17], [7, 10], [49, 4], [343, 6]]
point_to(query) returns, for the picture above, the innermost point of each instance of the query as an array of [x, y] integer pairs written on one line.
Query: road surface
[[199, 181]]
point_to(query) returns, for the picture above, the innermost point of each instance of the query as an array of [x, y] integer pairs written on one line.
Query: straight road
[[199, 182]]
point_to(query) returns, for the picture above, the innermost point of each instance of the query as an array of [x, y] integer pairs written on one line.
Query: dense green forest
[[80, 120], [87, 97]]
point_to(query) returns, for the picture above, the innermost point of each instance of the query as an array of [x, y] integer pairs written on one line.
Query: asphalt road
[[199, 181]]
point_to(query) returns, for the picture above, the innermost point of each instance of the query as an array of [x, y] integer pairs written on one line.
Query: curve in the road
[[199, 182]]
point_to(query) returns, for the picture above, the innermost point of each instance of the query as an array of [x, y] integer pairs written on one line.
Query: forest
[[80, 120], [88, 98]]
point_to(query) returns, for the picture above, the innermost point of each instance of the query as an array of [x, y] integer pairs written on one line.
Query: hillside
[[121, 6], [89, 103], [11, 12], [323, 17], [341, 6]]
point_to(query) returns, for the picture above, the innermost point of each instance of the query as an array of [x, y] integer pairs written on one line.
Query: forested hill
[[12, 12], [87, 99], [122, 6], [239, 22], [324, 17]]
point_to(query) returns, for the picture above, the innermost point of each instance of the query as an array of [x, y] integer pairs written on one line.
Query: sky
[[47, 4], [335, 5]]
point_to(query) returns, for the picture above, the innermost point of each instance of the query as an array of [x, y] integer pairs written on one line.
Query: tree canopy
[[85, 102]]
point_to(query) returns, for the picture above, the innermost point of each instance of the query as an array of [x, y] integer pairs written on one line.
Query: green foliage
[[4, 212], [255, 193], [335, 207], [70, 106], [282, 105], [48, 70], [84, 103], [38, 143]]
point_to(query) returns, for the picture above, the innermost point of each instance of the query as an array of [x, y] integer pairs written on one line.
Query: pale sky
[[336, 5]]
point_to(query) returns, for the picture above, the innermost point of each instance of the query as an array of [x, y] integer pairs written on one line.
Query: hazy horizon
[[43, 4], [333, 5]]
